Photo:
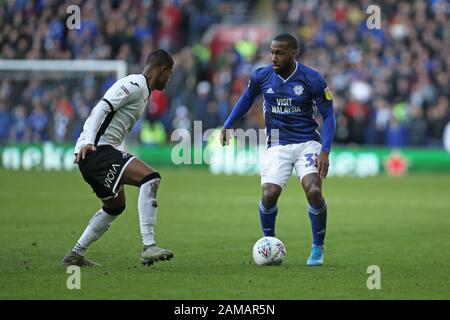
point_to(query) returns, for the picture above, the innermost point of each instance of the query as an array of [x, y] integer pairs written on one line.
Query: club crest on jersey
[[327, 92], [298, 89]]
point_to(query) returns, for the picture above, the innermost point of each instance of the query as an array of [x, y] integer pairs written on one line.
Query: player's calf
[[268, 209], [97, 226], [147, 206]]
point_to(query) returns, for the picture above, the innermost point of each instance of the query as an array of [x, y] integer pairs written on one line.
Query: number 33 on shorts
[[310, 159]]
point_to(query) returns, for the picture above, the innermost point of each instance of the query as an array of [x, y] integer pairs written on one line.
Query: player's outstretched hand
[[224, 137], [322, 163], [84, 151]]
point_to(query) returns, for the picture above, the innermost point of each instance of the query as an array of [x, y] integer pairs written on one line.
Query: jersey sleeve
[[324, 101], [322, 94], [253, 88], [245, 102]]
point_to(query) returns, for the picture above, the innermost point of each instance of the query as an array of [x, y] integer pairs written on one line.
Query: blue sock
[[318, 217], [267, 217]]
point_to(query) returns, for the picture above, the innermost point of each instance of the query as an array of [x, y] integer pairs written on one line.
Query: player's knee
[[114, 211], [314, 194], [153, 177], [149, 187], [270, 197]]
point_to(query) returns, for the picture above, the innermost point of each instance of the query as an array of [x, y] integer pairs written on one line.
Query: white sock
[[99, 223], [147, 206]]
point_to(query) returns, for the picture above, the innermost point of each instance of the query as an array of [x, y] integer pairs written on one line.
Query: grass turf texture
[[211, 223]]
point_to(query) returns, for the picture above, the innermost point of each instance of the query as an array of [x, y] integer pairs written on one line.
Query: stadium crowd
[[391, 86]]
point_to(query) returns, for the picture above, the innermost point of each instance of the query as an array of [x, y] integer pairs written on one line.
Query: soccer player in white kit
[[107, 169]]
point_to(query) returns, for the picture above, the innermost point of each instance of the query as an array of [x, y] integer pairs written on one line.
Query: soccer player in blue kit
[[292, 94]]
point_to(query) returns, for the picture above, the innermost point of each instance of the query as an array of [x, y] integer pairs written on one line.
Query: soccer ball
[[268, 251]]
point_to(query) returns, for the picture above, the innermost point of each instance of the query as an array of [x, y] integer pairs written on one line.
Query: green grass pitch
[[211, 223]]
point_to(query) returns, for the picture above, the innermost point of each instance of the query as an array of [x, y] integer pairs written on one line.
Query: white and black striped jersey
[[115, 115]]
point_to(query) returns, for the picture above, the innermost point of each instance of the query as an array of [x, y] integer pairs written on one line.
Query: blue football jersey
[[290, 104]]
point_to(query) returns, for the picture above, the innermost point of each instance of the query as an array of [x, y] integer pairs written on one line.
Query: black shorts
[[103, 169]]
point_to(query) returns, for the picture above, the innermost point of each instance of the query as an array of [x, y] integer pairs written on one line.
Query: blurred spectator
[[38, 122], [391, 86], [416, 127], [205, 107], [438, 117], [152, 132], [342, 122], [158, 107], [5, 123], [63, 115], [202, 55], [357, 113], [19, 131], [246, 48], [395, 134], [180, 83], [81, 113], [182, 119], [383, 115]]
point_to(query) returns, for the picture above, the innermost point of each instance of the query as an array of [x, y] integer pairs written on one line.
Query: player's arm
[[324, 102], [102, 114], [242, 106]]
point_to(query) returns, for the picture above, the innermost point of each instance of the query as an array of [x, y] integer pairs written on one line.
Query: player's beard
[[285, 70], [161, 85]]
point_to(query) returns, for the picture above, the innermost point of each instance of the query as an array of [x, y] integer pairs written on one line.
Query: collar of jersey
[[295, 70], [148, 87]]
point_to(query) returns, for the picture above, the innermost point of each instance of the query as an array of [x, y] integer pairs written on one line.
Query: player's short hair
[[287, 38], [159, 58]]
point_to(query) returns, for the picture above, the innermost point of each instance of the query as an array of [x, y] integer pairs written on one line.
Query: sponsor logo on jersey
[[284, 101], [298, 89], [286, 110], [284, 106], [122, 91], [125, 89], [328, 95]]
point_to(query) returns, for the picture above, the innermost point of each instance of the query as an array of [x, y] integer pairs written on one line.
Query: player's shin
[[318, 217], [147, 207], [268, 217], [99, 223]]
